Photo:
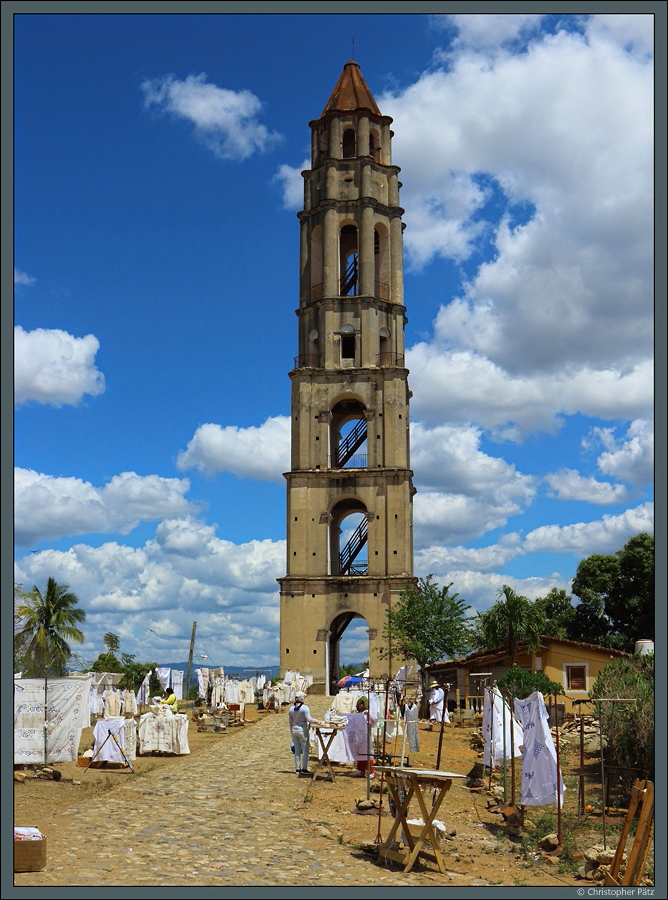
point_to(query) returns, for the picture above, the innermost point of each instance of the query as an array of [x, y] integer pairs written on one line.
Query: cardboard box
[[30, 856], [84, 762]]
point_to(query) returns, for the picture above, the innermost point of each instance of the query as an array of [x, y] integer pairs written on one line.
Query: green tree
[[512, 620], [112, 642], [46, 622], [559, 612], [427, 624], [628, 727], [109, 662], [521, 683], [616, 593], [352, 668]]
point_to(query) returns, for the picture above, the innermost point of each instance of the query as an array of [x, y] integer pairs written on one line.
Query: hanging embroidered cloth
[[496, 712], [540, 774]]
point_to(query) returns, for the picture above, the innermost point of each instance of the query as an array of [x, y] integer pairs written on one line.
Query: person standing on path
[[436, 711], [299, 717]]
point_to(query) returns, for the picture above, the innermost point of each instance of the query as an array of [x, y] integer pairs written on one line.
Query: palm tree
[[512, 619], [111, 641], [46, 623]]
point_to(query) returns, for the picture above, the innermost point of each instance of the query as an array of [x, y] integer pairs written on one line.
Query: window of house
[[575, 678]]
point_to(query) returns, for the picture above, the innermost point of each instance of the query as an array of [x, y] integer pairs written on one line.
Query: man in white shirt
[[299, 717], [436, 698]]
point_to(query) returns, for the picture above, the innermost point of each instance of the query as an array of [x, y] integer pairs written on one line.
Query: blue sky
[[157, 178]]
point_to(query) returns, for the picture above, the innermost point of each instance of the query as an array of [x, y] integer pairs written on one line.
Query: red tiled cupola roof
[[351, 92]]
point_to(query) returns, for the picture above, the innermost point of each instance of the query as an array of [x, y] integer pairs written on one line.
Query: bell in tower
[[349, 488]]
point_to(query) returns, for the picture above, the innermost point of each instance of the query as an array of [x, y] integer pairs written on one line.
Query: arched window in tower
[[384, 355], [348, 345], [348, 435], [374, 144], [349, 261], [313, 356], [316, 263], [381, 254], [348, 538], [323, 145], [348, 144]]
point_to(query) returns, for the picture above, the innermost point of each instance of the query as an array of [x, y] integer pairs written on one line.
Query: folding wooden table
[[414, 781], [324, 759]]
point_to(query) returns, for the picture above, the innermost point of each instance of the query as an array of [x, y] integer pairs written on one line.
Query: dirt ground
[[480, 844]]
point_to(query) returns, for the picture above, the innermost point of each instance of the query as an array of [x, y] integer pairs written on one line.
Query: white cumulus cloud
[[605, 535], [256, 452], [49, 507], [54, 368], [226, 121], [630, 458], [151, 594], [22, 278], [567, 484], [562, 135]]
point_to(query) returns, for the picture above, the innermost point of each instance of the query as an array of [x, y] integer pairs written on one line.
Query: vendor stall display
[[164, 733], [404, 785], [49, 716]]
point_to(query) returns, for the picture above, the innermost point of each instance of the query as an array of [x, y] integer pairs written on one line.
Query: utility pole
[[190, 661]]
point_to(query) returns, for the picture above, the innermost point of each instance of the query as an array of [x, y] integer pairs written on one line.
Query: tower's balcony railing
[[307, 361], [381, 290], [357, 461], [390, 358], [359, 567]]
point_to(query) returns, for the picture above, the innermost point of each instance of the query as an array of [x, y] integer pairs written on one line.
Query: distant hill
[[241, 671]]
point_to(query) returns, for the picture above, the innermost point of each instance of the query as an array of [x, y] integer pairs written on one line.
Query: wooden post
[[556, 731], [190, 661]]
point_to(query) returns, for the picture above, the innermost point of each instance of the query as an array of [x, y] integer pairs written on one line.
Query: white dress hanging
[[540, 774]]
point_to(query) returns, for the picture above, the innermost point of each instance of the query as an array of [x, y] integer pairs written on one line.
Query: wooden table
[[325, 746], [414, 781]]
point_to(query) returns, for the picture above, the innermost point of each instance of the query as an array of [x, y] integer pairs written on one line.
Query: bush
[[628, 727]]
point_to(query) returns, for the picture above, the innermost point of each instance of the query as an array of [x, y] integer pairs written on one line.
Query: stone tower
[[350, 493]]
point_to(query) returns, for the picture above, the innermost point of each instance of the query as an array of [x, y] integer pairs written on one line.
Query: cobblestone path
[[229, 815]]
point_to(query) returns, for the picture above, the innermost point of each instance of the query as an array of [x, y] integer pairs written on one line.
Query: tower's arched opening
[[348, 538], [348, 435], [374, 144], [316, 262], [348, 643], [349, 261], [381, 257], [349, 143]]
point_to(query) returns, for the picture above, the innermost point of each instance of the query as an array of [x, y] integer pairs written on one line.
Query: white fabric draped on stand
[[177, 683], [67, 715], [106, 749], [166, 733], [496, 713], [540, 773]]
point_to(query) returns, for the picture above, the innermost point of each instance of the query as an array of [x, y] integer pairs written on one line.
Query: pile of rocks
[[569, 733], [598, 860]]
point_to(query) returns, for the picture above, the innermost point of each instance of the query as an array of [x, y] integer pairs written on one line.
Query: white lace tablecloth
[[167, 734]]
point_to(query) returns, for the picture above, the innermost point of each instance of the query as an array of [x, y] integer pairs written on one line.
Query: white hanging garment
[[495, 712], [540, 774], [177, 683], [142, 693], [163, 673]]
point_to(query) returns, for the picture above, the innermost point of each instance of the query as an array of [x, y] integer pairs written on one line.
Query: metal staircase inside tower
[[349, 281], [349, 553], [352, 442]]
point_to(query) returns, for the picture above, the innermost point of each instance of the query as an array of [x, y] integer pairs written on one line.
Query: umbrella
[[349, 681]]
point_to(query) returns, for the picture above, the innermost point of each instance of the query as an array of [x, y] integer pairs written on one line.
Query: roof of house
[[489, 656]]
